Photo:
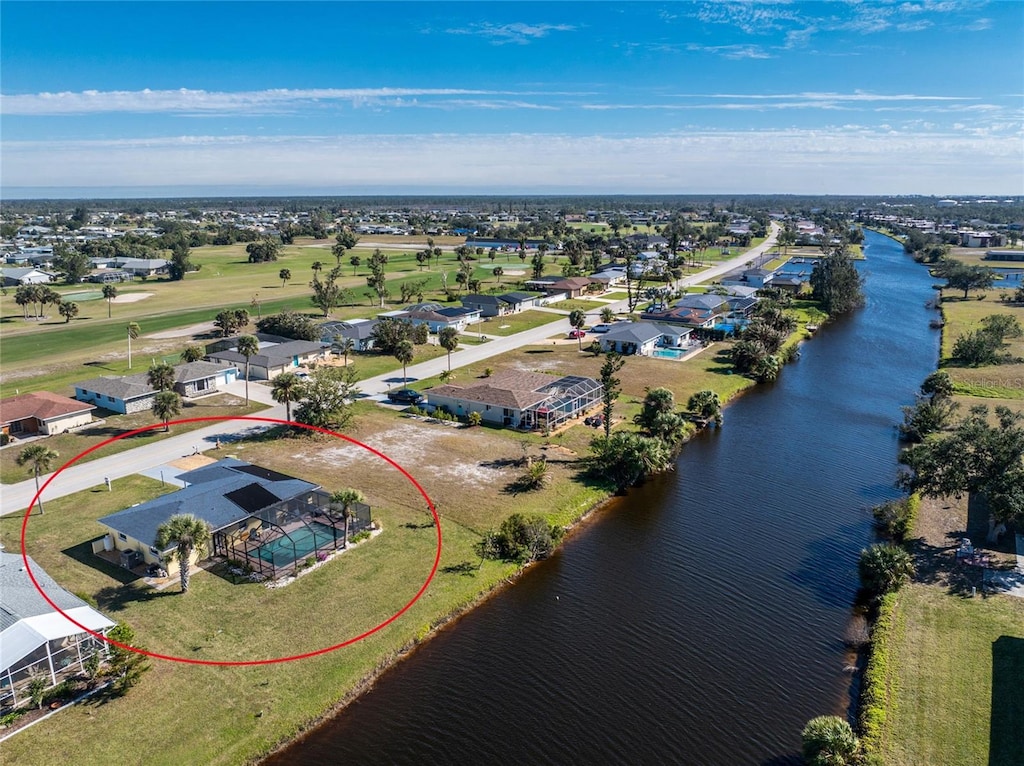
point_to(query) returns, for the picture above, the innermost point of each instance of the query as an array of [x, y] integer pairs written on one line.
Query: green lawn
[[964, 316], [573, 304], [959, 666], [234, 714], [69, 445], [513, 323]]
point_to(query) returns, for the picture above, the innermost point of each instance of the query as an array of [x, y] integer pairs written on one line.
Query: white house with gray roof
[[37, 640], [133, 393], [272, 358], [643, 338]]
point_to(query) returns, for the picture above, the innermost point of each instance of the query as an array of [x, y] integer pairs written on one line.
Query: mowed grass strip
[[959, 666]]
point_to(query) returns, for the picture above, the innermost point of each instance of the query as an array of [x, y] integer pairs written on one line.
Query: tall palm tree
[[286, 389], [40, 458], [577, 319], [161, 376], [342, 500], [284, 275], [498, 272], [133, 330], [187, 534], [166, 405], [109, 293], [404, 353], [248, 346], [448, 337]]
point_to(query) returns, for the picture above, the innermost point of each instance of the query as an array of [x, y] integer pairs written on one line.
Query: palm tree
[[133, 330], [577, 319], [828, 740], [607, 315], [67, 310], [161, 376], [166, 405], [404, 353], [342, 500], [284, 275], [498, 272], [187, 534], [109, 293], [248, 346], [317, 268], [345, 345], [884, 568], [448, 337], [707, 405], [192, 353], [40, 458], [285, 389]]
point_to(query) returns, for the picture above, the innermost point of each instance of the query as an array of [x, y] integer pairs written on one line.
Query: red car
[[577, 333]]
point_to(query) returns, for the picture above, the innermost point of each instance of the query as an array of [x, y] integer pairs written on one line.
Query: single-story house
[[273, 358], [231, 342], [202, 378], [109, 276], [610, 276], [27, 275], [692, 317], [499, 305], [642, 338], [703, 302], [142, 267], [267, 519], [132, 393], [981, 239], [487, 305], [519, 399], [790, 283], [359, 331], [37, 640], [573, 287], [754, 278], [43, 413], [435, 316], [124, 394]]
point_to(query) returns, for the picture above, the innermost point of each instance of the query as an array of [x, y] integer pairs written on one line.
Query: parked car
[[404, 396], [600, 328], [577, 333]]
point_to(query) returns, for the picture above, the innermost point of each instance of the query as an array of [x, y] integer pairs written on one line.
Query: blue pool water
[[297, 545]]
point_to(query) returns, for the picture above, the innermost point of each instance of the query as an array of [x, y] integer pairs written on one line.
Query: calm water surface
[[700, 619]]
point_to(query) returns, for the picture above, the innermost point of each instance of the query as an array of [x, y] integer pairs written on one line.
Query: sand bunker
[[131, 297]]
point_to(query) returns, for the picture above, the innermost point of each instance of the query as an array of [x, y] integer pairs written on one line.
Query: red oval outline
[[236, 663]]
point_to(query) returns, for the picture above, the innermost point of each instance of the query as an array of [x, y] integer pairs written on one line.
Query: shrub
[[874, 696], [474, 419], [896, 517], [521, 538], [829, 740], [358, 537], [884, 568]]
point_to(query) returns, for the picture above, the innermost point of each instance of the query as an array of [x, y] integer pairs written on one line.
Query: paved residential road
[[16, 497]]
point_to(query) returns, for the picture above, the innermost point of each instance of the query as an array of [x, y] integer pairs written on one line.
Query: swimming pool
[[668, 353], [297, 544]]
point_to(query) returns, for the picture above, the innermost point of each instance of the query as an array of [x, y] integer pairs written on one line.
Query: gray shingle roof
[[205, 497], [123, 388], [19, 598]]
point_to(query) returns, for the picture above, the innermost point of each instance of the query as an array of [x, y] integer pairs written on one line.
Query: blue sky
[[873, 97]]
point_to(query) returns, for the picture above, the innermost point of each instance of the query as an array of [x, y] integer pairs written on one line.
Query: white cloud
[[732, 51], [980, 25], [517, 33], [191, 101], [847, 159]]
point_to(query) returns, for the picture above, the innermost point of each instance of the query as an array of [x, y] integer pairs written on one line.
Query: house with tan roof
[[519, 399], [42, 413]]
